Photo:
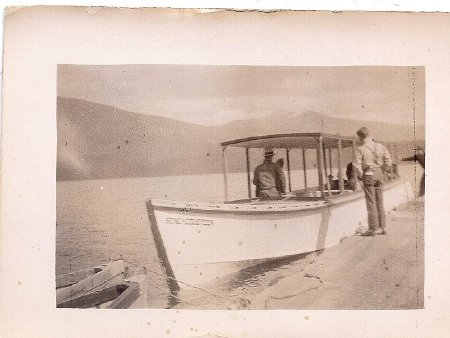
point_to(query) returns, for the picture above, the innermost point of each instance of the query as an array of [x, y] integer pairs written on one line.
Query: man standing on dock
[[419, 157], [268, 177], [371, 160]]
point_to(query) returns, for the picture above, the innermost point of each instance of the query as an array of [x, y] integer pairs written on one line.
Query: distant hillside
[[315, 122], [97, 141]]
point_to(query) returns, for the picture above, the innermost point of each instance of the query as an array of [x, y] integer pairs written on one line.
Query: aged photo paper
[[213, 173]]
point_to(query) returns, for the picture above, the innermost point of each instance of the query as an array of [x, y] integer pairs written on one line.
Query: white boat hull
[[201, 242]]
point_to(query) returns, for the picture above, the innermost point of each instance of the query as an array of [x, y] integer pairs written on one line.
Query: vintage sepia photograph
[[213, 172], [240, 187]]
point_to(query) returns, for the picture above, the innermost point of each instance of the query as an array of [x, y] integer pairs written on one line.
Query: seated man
[[334, 184], [280, 162], [352, 179], [269, 178]]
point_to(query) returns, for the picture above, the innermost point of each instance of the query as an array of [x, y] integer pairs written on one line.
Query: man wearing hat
[[267, 177], [371, 160]]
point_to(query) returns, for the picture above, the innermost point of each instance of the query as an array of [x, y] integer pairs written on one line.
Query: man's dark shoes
[[368, 233]]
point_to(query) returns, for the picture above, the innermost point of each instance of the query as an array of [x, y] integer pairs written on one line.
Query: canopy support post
[[387, 177], [329, 158], [249, 186], [304, 167], [288, 169], [326, 174], [225, 172], [340, 177], [320, 164], [396, 161], [355, 149]]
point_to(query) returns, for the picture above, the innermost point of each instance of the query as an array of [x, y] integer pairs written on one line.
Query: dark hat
[[363, 131], [268, 152]]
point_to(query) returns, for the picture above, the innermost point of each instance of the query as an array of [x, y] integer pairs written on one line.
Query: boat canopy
[[323, 144], [292, 141]]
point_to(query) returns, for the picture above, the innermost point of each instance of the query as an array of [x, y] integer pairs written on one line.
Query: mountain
[[96, 141], [313, 122]]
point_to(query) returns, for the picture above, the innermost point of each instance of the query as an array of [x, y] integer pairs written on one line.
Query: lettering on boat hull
[[189, 221]]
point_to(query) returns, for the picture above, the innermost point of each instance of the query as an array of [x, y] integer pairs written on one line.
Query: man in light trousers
[[371, 160]]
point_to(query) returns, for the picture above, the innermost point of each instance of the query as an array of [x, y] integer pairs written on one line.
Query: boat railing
[[295, 195]]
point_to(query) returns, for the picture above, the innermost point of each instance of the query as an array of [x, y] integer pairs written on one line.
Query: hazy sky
[[219, 94]]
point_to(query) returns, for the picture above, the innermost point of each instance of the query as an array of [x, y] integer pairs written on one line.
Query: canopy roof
[[291, 141]]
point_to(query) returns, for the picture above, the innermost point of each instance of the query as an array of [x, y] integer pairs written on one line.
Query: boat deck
[[293, 197], [296, 200], [255, 205]]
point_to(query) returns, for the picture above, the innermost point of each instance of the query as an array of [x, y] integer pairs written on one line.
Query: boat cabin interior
[[328, 154]]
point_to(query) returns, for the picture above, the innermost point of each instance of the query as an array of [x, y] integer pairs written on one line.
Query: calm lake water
[[96, 218]]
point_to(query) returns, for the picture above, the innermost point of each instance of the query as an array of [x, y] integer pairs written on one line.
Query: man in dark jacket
[[419, 157], [268, 176]]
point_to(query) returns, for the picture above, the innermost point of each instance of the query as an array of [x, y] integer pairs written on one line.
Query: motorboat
[[199, 242]]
